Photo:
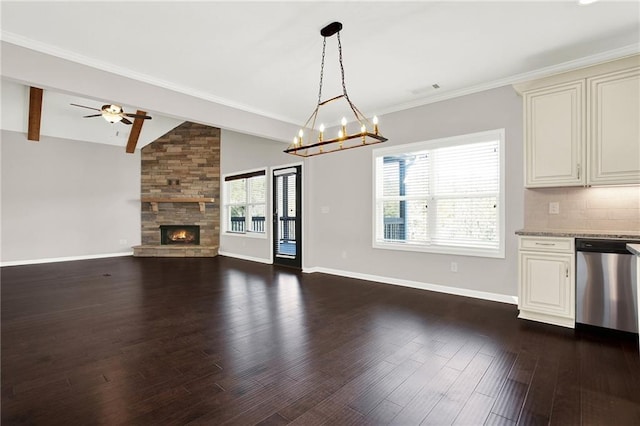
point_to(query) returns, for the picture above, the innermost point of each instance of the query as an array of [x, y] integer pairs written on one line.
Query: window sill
[[458, 251], [254, 235]]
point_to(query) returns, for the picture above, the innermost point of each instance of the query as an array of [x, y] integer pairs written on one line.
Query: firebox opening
[[180, 234]]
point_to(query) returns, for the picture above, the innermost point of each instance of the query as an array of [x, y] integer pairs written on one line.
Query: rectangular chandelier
[[367, 134]]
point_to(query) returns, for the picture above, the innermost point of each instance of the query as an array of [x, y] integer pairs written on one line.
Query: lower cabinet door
[[546, 285]]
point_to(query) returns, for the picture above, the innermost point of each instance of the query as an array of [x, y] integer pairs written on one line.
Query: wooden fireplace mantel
[[154, 201]]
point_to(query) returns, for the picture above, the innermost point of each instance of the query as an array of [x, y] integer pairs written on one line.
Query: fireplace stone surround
[[181, 166]]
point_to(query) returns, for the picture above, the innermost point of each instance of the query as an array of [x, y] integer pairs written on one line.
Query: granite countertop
[[571, 233], [634, 248]]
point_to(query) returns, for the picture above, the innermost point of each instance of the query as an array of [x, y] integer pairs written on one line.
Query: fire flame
[[182, 235]]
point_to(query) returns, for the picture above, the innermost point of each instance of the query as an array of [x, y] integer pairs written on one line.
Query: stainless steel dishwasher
[[606, 285]]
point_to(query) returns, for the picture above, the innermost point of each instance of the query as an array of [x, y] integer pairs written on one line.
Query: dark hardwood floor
[[223, 341]]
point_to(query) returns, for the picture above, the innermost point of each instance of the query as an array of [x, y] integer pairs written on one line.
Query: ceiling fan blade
[[82, 106], [125, 121], [144, 117], [93, 115]]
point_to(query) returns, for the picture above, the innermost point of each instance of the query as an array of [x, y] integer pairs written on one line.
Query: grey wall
[[63, 198], [240, 152], [79, 198], [341, 185], [338, 199]]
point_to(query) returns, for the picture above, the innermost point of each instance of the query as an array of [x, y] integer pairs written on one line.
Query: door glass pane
[[286, 211]]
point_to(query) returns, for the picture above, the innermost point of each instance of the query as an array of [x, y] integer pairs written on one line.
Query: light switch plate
[[554, 208]]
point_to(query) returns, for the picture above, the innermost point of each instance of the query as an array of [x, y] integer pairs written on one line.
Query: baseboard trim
[[243, 257], [494, 297], [63, 259]]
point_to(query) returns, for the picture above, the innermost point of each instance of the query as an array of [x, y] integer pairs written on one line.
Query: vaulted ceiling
[[263, 58]]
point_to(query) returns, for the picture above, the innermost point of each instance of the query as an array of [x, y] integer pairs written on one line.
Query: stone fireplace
[[180, 193]]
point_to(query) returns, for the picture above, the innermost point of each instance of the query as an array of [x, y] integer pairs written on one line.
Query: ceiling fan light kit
[[368, 131], [113, 114]]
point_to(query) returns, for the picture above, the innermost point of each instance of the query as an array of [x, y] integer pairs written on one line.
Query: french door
[[287, 216]]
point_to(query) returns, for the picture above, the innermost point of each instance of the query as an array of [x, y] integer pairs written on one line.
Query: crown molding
[[586, 61], [68, 55]]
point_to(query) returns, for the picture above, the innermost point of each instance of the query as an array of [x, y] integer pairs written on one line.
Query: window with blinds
[[442, 196], [245, 202]]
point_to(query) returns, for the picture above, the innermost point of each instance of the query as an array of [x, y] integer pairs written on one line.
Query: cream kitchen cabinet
[[614, 128], [546, 268], [582, 127], [554, 140]]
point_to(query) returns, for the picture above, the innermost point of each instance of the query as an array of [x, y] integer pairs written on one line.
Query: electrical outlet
[[454, 266], [554, 207], [344, 254], [123, 242]]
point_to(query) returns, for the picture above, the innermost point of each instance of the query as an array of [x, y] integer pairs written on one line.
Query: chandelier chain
[[324, 46], [344, 86]]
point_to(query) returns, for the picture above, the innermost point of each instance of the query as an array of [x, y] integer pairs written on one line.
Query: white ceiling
[[264, 57]]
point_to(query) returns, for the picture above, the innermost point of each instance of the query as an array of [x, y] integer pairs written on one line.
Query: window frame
[[247, 174], [430, 246]]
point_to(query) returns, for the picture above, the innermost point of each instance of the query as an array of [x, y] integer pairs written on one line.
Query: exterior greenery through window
[[245, 202], [443, 196]]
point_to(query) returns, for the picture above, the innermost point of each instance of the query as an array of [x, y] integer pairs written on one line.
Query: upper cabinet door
[[554, 135], [614, 128]]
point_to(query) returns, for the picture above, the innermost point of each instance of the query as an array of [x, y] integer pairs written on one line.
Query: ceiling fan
[[113, 114]]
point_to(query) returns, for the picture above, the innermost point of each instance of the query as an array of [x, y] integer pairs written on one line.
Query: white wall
[[63, 198], [340, 240], [239, 153]]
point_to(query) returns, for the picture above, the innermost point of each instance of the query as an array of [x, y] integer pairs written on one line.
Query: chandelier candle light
[[344, 140]]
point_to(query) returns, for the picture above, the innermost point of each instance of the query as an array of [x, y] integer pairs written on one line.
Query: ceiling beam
[[35, 113], [135, 132]]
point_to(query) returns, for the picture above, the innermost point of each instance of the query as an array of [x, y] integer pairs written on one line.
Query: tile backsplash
[[599, 208]]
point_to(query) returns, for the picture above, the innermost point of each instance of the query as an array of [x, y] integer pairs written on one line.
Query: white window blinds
[[441, 195]]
